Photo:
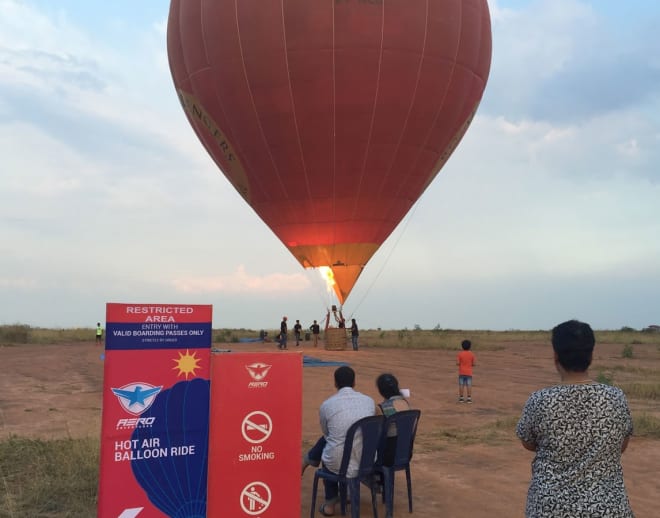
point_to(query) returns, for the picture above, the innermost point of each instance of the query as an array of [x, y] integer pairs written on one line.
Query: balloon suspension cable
[[408, 219]]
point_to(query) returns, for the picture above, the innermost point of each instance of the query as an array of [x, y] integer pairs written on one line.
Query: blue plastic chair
[[406, 429], [371, 429]]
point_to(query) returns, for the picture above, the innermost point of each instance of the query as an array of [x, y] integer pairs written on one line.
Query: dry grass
[[46, 479], [22, 334], [404, 338], [641, 390], [645, 425], [492, 433]]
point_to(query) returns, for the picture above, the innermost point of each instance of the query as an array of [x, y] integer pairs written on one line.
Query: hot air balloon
[[330, 117], [171, 473]]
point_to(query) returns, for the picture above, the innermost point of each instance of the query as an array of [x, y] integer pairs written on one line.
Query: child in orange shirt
[[465, 361]]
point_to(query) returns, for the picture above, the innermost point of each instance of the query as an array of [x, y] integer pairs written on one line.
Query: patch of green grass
[[14, 334], [627, 351], [40, 335], [417, 338], [632, 369], [625, 337], [48, 479], [641, 390], [646, 425], [492, 433], [604, 378], [506, 423]]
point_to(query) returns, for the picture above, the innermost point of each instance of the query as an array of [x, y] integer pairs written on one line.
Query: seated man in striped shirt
[[337, 414]]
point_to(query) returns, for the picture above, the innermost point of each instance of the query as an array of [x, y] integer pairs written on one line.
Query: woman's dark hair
[[573, 342], [344, 377], [388, 385]]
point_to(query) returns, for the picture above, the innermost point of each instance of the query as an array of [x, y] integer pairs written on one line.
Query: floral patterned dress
[[579, 431]]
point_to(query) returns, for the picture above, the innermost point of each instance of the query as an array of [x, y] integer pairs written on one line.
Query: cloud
[[22, 283], [242, 282], [520, 197], [603, 147], [563, 61]]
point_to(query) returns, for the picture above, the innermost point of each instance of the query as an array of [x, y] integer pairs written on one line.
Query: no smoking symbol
[[257, 427]]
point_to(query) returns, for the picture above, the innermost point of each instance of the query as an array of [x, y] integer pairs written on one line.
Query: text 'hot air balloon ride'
[[330, 117]]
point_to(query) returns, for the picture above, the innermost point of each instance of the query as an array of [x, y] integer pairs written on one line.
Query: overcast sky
[[548, 210]]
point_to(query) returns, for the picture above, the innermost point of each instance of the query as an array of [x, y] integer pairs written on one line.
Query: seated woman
[[394, 402]]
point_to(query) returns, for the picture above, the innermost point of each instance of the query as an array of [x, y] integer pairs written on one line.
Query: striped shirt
[[337, 414]]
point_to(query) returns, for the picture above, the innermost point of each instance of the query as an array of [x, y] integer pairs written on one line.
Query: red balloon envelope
[[330, 117]]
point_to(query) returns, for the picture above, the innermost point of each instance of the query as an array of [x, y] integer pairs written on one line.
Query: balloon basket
[[335, 339]]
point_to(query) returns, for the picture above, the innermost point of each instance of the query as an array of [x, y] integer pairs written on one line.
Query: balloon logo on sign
[[330, 118], [170, 457]]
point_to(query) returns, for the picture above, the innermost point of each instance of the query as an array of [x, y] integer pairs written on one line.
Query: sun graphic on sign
[[187, 363]]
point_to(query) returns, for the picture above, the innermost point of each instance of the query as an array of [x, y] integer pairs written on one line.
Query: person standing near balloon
[[297, 329], [316, 331], [99, 333], [355, 332], [283, 333]]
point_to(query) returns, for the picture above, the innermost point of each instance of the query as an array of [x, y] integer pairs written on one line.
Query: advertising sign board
[[154, 432], [255, 435]]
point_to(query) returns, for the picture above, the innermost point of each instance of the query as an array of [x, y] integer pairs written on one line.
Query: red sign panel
[[255, 435], [155, 411]]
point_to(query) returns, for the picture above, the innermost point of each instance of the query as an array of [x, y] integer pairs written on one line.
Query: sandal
[[324, 512]]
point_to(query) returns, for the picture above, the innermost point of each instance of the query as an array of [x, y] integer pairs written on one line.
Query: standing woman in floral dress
[[578, 430]]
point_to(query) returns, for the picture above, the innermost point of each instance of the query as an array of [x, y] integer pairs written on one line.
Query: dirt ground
[[467, 459]]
